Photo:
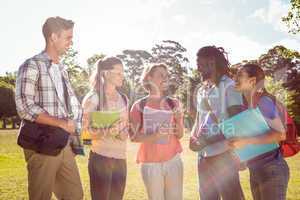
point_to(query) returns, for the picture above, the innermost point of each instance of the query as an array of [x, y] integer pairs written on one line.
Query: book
[[155, 119], [248, 123], [104, 119]]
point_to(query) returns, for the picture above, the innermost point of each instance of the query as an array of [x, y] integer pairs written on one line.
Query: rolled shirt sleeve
[[270, 112]]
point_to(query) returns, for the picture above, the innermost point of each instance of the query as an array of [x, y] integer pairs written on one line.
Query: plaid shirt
[[36, 93]]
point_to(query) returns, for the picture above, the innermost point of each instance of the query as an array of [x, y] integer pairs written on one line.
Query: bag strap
[[208, 107], [211, 113], [65, 89], [99, 100], [124, 97], [141, 110]]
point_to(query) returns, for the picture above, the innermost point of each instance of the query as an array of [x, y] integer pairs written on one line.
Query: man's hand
[[69, 126]]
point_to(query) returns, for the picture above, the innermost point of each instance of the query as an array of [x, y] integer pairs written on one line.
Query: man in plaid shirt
[[43, 97]]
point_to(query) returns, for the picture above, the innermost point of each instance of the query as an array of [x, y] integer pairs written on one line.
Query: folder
[[104, 119], [248, 123], [155, 120]]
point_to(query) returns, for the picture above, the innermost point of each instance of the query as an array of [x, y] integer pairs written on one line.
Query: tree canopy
[[293, 17]]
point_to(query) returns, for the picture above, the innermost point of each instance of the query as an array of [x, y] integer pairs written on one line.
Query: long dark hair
[[220, 57], [98, 80]]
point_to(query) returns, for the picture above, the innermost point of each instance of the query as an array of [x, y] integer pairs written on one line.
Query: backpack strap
[[171, 103], [141, 110], [124, 98]]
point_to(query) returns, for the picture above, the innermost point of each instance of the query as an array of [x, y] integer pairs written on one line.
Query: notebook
[[246, 124], [104, 119], [155, 119]]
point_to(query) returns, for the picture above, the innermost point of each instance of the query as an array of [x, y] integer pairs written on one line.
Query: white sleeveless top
[[108, 146]]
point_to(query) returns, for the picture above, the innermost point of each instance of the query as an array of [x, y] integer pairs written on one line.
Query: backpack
[[291, 145]]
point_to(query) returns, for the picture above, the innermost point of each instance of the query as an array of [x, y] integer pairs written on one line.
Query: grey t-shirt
[[220, 98]]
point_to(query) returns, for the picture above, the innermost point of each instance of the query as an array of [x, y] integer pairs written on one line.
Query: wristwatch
[[78, 129]]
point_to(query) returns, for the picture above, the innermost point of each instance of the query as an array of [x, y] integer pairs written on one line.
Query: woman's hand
[[119, 130], [123, 135], [115, 129], [237, 143], [162, 134], [97, 133]]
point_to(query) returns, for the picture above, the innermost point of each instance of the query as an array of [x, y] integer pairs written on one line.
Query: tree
[[7, 102], [9, 78], [188, 95], [172, 54], [91, 61], [282, 66], [134, 61], [278, 61], [78, 75], [293, 17], [284, 95]]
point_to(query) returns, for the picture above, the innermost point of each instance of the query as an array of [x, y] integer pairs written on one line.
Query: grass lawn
[[13, 174]]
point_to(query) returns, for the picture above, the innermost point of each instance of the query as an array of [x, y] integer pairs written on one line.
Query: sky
[[245, 28]]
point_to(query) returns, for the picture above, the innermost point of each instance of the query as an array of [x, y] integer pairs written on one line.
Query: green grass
[[13, 174], [8, 125]]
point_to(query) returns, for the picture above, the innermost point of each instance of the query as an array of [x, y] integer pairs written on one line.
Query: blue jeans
[[219, 178], [270, 181]]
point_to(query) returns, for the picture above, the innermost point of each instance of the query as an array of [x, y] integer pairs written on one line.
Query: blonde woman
[[160, 148]]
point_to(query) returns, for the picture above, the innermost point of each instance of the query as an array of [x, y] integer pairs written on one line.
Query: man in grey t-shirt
[[217, 100]]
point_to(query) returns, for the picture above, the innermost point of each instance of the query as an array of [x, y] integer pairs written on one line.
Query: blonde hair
[[56, 25], [148, 71]]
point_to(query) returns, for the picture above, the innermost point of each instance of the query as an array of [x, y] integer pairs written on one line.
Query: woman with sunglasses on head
[[107, 161]]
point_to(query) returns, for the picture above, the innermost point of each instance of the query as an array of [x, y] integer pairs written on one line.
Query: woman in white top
[[107, 162]]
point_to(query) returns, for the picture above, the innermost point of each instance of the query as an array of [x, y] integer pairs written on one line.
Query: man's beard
[[205, 75]]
